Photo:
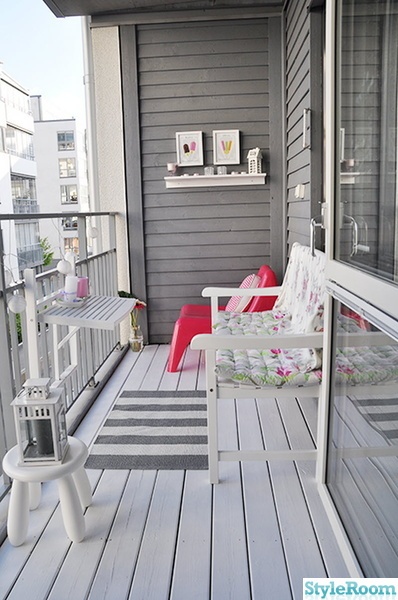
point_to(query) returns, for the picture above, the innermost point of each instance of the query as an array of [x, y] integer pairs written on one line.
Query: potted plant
[[136, 339]]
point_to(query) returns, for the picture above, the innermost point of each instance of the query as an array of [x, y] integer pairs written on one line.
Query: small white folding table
[[97, 312]]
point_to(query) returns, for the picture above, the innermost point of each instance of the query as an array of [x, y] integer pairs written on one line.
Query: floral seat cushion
[[264, 367], [298, 367], [298, 309]]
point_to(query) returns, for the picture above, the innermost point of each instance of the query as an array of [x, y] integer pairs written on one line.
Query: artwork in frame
[[226, 149], [189, 148]]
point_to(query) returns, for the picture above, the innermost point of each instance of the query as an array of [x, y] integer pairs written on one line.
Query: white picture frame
[[226, 149], [189, 148]]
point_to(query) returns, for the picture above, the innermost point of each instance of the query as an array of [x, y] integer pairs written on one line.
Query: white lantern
[[254, 158], [40, 422]]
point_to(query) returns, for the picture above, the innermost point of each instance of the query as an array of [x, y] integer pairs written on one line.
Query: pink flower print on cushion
[[346, 370], [279, 315], [283, 371]]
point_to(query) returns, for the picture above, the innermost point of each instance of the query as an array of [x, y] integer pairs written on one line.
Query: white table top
[[98, 312]]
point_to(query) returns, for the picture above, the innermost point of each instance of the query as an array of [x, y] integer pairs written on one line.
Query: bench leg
[[18, 513], [71, 509], [83, 487], [212, 420]]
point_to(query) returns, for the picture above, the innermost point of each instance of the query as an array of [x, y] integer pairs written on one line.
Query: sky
[[44, 54]]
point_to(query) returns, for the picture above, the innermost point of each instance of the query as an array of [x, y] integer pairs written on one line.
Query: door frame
[[382, 295]]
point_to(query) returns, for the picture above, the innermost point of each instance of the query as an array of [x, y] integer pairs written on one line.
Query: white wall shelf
[[185, 181]]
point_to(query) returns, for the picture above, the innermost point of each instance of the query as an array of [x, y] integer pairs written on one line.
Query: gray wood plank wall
[[303, 64], [202, 76]]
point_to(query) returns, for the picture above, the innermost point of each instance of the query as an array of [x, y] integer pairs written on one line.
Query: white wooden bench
[[278, 353], [286, 326]]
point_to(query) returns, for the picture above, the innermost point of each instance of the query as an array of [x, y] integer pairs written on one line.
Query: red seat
[[196, 318]]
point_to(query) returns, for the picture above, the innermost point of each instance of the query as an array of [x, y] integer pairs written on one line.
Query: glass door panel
[[362, 472], [366, 137], [362, 269]]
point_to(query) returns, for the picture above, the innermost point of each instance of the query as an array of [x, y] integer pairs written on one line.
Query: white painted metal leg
[[71, 509], [212, 421], [83, 487], [34, 495], [18, 513]]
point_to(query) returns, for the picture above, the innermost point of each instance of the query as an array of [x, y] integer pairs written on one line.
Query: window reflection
[[366, 138], [362, 471]]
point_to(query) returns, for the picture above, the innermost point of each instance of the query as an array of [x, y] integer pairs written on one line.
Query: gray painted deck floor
[[170, 534]]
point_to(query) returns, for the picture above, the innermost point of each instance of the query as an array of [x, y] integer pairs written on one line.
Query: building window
[[69, 223], [68, 194], [19, 143], [66, 140], [23, 187], [67, 167], [71, 244]]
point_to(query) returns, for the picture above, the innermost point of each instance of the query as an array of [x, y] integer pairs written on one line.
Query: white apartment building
[[61, 177], [18, 172]]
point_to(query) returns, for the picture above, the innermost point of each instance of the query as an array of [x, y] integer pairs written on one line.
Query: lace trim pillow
[[239, 303]]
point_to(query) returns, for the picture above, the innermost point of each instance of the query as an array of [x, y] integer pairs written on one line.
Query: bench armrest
[[211, 341], [208, 341]]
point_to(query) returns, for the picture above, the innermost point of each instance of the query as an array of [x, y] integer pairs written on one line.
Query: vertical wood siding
[[205, 76]]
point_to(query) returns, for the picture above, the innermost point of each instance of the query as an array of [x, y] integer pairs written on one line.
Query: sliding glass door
[[362, 463]]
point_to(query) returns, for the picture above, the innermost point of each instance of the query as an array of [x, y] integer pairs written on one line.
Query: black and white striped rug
[[153, 430]]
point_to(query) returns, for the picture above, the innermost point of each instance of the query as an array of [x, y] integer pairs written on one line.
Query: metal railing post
[[7, 387]]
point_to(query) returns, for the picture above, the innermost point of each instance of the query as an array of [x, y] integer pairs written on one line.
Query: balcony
[[234, 540], [25, 206], [30, 256]]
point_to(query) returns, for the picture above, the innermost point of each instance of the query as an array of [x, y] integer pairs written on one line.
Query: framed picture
[[226, 147], [189, 148]]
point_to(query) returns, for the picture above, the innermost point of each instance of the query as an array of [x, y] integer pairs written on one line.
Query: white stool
[[73, 487]]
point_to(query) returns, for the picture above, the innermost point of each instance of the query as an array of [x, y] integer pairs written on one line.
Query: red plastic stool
[[196, 318]]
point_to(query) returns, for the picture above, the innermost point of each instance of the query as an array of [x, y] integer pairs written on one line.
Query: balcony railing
[[80, 382], [30, 256], [24, 206]]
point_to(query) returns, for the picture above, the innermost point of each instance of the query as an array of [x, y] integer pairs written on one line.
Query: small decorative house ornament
[[254, 158], [39, 413]]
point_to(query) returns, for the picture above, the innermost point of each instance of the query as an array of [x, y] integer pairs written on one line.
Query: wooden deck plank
[[266, 557], [45, 524], [115, 571], [189, 372], [153, 573], [300, 438], [45, 559], [230, 572], [13, 560], [310, 410], [154, 374], [140, 368], [300, 543], [75, 576], [192, 562]]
